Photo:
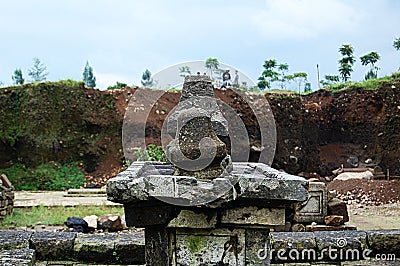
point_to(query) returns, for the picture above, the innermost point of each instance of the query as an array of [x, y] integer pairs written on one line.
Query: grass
[[370, 84], [28, 217]]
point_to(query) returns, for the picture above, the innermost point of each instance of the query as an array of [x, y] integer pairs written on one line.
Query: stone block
[[10, 239], [95, 248], [18, 257], [254, 216], [129, 248], [338, 207], [293, 246], [258, 247], [385, 241], [341, 245], [315, 208], [110, 248], [191, 219], [53, 246], [215, 247]]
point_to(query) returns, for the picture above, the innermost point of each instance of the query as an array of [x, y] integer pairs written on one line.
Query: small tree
[[371, 59], [17, 77], [212, 65], [307, 87], [396, 45], [88, 77], [38, 72], [184, 71], [269, 74], [330, 79], [283, 68], [147, 80], [347, 61], [300, 78]]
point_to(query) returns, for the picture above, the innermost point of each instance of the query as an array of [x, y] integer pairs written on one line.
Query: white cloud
[[287, 19]]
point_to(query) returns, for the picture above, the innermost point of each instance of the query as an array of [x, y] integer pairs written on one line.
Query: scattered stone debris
[[334, 220], [92, 223], [77, 224], [367, 192], [110, 222]]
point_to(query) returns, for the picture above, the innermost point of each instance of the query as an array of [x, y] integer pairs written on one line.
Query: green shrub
[[50, 176], [152, 153]]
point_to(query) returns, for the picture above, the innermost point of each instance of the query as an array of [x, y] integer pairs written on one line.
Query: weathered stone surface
[[338, 207], [119, 187], [110, 248], [253, 216], [198, 92], [191, 219], [129, 248], [10, 239], [341, 245], [258, 247], [385, 241], [95, 248], [49, 245], [157, 248], [298, 228], [91, 221], [6, 196], [334, 220], [110, 222], [17, 257], [252, 181], [216, 247], [315, 208], [77, 224], [290, 246], [319, 227]]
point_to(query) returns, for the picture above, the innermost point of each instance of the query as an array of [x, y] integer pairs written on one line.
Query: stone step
[[87, 191]]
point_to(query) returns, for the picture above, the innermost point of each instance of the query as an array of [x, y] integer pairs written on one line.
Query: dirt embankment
[[315, 133]]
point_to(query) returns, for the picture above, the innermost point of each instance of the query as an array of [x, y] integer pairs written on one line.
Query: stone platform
[[221, 221]]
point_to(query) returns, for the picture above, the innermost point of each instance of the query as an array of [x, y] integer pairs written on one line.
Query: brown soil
[[316, 133]]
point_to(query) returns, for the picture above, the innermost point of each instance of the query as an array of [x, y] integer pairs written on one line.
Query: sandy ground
[[386, 216]]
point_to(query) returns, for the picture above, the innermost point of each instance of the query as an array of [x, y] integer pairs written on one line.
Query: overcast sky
[[121, 38]]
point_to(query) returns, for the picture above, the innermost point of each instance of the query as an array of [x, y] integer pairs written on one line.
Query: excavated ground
[[316, 133]]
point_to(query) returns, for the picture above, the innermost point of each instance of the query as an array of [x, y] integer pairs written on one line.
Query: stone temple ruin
[[202, 208]]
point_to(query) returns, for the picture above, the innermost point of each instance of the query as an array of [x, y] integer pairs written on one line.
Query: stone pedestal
[[229, 226]]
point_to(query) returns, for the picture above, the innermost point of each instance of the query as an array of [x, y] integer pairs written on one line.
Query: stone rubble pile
[[6, 196]]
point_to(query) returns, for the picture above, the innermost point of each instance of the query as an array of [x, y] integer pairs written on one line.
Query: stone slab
[[293, 246], [341, 245], [253, 216], [109, 248], [247, 181], [385, 241], [49, 245], [17, 257], [10, 239], [316, 228]]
